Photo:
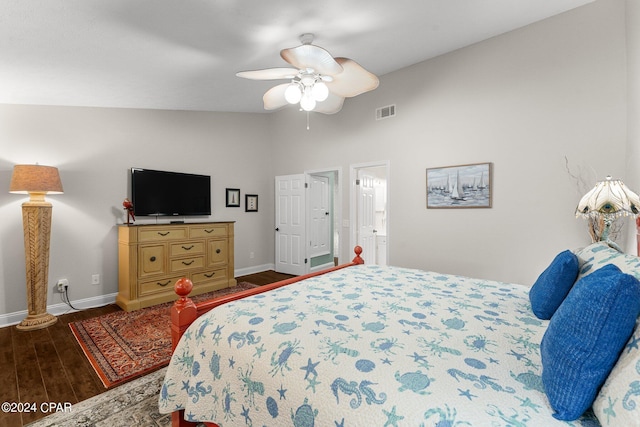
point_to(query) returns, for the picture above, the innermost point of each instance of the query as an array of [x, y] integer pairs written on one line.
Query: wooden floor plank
[[30, 384]]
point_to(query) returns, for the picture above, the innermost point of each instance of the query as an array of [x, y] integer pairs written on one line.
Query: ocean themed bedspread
[[366, 346]]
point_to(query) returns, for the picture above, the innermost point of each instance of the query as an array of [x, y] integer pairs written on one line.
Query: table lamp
[[36, 180], [606, 202]]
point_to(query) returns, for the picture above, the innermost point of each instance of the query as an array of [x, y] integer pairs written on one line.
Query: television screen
[[163, 193]]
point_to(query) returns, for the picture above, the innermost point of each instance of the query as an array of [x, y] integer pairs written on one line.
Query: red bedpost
[[183, 311], [357, 259]]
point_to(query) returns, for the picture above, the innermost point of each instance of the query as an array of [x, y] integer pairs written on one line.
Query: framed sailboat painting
[[462, 186]]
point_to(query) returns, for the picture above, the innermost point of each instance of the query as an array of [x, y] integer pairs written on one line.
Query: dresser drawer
[[185, 264], [186, 248], [154, 234], [214, 230], [217, 252], [151, 260], [158, 286], [209, 276]]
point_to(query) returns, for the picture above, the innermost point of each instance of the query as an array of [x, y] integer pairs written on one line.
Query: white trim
[[353, 174], [59, 309], [254, 269], [321, 267], [337, 204]]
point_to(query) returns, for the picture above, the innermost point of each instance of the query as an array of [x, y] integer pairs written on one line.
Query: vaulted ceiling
[[183, 55]]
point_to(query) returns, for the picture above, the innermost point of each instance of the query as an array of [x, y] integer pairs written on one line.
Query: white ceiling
[[183, 54]]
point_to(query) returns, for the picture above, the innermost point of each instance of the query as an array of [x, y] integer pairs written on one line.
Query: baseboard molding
[[61, 308], [14, 318], [322, 267], [254, 269]]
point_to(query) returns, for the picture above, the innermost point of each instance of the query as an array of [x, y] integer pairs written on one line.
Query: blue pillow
[[585, 337], [553, 285]]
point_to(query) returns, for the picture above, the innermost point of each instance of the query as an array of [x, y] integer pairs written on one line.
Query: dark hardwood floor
[[48, 365]]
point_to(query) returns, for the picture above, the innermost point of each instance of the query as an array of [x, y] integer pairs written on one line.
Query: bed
[[367, 345]]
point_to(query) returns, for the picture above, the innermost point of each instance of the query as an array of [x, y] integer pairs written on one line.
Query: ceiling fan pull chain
[[307, 120]]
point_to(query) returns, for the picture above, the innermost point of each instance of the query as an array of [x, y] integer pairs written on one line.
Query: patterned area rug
[[132, 404], [124, 345]]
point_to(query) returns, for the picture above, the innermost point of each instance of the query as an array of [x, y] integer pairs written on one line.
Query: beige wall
[[525, 101], [632, 175], [94, 149]]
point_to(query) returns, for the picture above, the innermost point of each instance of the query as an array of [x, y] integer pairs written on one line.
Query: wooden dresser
[[151, 258]]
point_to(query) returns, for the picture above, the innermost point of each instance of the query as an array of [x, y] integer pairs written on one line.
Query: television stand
[[151, 258]]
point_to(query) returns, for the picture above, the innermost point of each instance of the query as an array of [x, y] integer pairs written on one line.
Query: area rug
[[124, 345], [132, 404]]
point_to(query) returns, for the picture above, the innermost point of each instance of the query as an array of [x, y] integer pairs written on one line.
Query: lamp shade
[[35, 179], [610, 198]]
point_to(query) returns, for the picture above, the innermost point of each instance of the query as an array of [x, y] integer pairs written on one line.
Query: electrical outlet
[[62, 284], [95, 279]]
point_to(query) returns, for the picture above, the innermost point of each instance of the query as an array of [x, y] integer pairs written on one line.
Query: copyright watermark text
[[44, 407]]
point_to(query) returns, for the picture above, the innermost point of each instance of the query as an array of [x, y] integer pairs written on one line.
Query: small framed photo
[[251, 203], [233, 197], [463, 186]]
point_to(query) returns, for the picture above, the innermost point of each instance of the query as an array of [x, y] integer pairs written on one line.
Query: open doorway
[[369, 216], [307, 210]]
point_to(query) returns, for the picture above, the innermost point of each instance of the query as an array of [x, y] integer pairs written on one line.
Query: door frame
[[353, 201], [336, 212]]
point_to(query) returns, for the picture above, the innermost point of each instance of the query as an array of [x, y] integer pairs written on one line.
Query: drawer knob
[[187, 248], [152, 259], [187, 263], [218, 251]]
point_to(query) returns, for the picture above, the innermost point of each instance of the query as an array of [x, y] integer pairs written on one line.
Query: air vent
[[385, 112]]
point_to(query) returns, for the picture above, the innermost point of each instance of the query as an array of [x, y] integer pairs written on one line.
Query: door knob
[[277, 229]]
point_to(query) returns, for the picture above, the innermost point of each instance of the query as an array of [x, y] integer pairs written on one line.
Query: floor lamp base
[[37, 321]]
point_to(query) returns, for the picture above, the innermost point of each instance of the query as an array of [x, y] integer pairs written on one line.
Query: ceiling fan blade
[[269, 74], [331, 105], [311, 56], [353, 81], [274, 97]]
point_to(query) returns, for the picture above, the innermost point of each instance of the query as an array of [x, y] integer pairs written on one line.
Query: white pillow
[[599, 254], [618, 403]]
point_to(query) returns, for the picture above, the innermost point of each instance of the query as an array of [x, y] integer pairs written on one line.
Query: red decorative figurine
[[128, 206]]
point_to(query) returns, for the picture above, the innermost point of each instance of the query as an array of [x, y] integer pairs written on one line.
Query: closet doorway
[[370, 210], [307, 232]]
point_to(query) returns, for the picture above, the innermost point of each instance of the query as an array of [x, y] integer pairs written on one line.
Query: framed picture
[[463, 186], [233, 197], [251, 203]]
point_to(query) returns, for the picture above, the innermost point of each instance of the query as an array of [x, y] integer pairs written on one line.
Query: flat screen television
[[164, 193]]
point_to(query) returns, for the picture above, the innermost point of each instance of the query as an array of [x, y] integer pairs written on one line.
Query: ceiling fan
[[319, 82]]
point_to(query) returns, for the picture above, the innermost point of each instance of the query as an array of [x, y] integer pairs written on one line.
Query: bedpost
[[183, 311], [357, 259]]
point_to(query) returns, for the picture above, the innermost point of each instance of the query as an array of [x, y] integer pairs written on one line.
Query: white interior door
[[319, 216], [290, 225], [366, 199]]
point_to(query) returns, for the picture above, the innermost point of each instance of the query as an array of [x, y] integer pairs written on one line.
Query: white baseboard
[[321, 267], [61, 308], [254, 269]]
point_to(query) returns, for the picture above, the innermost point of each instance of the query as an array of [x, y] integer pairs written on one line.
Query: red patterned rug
[[125, 345]]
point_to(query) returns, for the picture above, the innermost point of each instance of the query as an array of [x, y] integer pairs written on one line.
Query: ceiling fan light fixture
[[293, 94], [307, 103], [320, 91], [315, 77]]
